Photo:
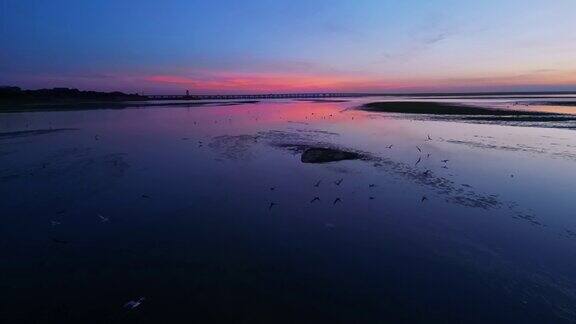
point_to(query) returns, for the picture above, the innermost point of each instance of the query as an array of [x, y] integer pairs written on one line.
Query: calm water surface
[[173, 204]]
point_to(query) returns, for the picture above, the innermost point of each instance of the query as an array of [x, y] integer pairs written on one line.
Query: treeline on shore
[[16, 95]]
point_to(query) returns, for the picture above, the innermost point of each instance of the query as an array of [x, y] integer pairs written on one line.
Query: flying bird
[[317, 184], [445, 161], [103, 219], [371, 185], [54, 223], [315, 199], [338, 182], [427, 172], [337, 200], [146, 196], [424, 198], [429, 138], [272, 204], [419, 159], [419, 150], [134, 303], [390, 146]]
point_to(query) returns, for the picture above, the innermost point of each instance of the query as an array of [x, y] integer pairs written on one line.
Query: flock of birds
[[339, 181]]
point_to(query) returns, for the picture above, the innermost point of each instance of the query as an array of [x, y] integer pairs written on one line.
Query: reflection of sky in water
[[187, 191]]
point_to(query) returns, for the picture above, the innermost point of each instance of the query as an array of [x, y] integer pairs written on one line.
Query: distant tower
[[187, 93]]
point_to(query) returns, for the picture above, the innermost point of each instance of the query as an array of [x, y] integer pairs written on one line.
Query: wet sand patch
[[72, 106], [297, 143], [35, 132]]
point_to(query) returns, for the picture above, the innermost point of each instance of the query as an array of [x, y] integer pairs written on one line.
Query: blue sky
[[267, 46]]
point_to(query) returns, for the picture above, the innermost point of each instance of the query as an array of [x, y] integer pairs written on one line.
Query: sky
[[264, 46]]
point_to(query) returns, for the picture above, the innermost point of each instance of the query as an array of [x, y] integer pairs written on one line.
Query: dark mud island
[[324, 155], [465, 112]]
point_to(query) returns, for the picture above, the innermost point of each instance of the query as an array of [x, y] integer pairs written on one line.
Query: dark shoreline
[[552, 103], [465, 113], [72, 106], [439, 108]]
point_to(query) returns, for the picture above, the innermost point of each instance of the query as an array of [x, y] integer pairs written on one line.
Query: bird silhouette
[[337, 200], [272, 204], [424, 198], [429, 138], [371, 185], [390, 146], [419, 150], [315, 199], [445, 161], [427, 172], [54, 223], [419, 159], [338, 182], [96, 137], [145, 196], [371, 198], [317, 184], [134, 303], [272, 188], [103, 219]]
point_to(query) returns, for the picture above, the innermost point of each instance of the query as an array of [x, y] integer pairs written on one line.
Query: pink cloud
[[228, 82], [204, 81], [271, 82]]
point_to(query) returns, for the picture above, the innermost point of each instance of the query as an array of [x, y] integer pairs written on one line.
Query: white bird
[[134, 303], [103, 219]]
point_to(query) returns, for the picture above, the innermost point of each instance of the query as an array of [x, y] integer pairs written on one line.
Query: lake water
[[208, 213]]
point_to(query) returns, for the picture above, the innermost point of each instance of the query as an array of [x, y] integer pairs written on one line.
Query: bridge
[[321, 95], [256, 96]]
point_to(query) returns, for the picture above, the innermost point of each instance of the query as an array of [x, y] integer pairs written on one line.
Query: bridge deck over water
[[557, 94], [255, 96]]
